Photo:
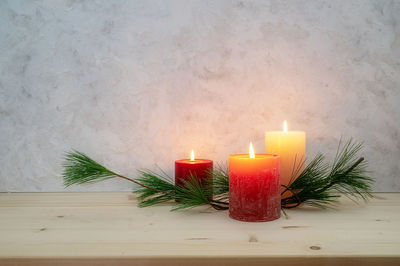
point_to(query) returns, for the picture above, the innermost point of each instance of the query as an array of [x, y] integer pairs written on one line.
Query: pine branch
[[80, 169], [318, 184], [221, 182], [191, 194], [307, 187], [164, 189], [153, 188], [186, 196]]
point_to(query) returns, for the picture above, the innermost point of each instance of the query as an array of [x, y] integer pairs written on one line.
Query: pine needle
[[319, 183], [153, 188], [221, 182], [80, 169]]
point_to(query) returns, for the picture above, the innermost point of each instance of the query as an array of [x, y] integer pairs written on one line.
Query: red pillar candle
[[198, 168], [254, 187]]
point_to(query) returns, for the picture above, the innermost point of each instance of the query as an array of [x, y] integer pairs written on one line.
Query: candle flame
[[285, 126], [192, 155], [251, 151]]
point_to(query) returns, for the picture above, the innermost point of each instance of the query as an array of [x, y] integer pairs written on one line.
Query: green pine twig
[[153, 188], [319, 183], [80, 169], [220, 177]]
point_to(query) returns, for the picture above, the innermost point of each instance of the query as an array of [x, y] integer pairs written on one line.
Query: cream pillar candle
[[291, 147]]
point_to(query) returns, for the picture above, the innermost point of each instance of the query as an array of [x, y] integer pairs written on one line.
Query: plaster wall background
[[135, 84]]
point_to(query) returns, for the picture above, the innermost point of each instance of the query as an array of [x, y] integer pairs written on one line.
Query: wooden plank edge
[[209, 261]]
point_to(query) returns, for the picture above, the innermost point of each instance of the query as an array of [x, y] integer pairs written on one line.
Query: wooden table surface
[[108, 229]]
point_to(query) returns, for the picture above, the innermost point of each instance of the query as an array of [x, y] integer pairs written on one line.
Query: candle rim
[[260, 156], [196, 160], [287, 132]]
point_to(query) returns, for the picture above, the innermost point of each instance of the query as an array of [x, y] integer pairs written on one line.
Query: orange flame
[[192, 155]]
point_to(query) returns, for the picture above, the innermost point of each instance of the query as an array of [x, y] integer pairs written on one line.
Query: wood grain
[[108, 229]]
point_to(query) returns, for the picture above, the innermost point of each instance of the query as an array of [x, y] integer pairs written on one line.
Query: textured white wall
[[139, 83]]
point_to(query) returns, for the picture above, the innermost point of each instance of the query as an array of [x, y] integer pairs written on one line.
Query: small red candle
[[198, 168], [254, 187]]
